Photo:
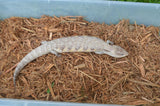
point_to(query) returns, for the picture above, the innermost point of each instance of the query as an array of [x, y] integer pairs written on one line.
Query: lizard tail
[[35, 53]]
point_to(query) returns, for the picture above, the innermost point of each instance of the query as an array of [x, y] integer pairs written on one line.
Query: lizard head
[[116, 51]]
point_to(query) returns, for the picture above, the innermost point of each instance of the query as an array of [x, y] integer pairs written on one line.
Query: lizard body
[[71, 44]]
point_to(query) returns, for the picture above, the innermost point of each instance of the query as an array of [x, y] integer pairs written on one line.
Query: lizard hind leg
[[55, 53]]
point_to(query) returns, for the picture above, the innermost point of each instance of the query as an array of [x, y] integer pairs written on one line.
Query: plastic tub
[[92, 10]]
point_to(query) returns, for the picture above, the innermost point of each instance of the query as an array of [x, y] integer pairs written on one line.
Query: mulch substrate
[[80, 77]]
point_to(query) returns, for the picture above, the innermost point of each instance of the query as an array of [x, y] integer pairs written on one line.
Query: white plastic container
[[92, 10]]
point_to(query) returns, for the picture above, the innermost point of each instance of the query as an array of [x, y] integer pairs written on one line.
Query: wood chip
[[80, 77]]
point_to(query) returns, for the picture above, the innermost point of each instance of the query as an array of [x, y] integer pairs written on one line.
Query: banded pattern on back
[[78, 44]]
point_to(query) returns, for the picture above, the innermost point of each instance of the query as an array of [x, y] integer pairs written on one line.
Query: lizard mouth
[[106, 50]]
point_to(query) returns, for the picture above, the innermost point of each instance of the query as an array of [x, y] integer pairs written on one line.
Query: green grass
[[48, 91], [145, 1]]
